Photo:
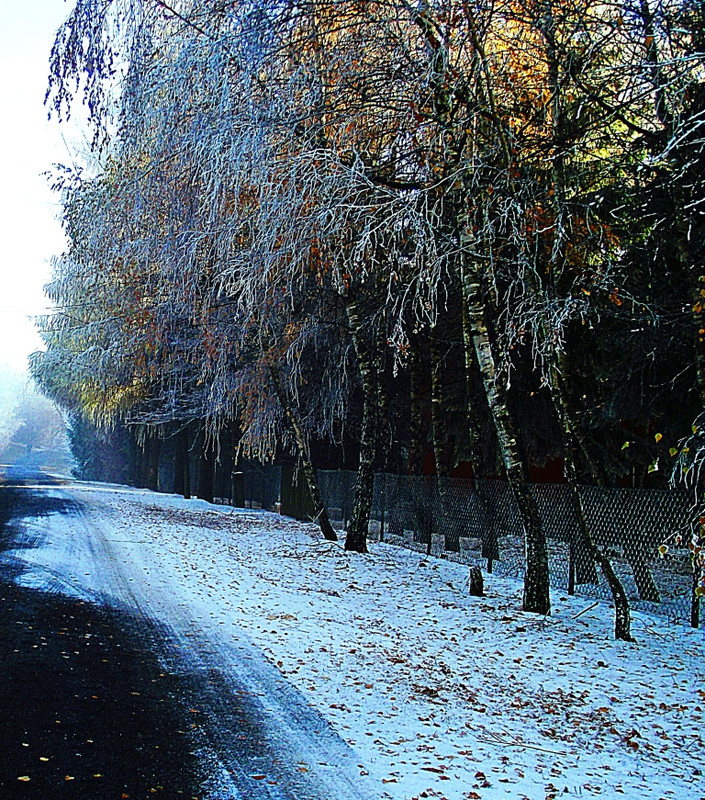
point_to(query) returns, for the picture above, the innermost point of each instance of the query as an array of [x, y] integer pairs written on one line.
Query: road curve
[[256, 734]]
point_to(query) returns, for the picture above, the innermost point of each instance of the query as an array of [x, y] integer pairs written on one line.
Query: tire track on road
[[258, 734]]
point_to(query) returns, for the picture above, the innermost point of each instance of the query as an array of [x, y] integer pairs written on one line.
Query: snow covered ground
[[439, 694]]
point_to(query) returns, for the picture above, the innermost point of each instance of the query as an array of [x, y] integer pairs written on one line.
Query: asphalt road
[[109, 688]]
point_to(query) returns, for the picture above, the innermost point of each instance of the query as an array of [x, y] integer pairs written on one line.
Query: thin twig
[[585, 610], [493, 738]]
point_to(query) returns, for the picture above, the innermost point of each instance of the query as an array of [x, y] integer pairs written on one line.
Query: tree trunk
[[536, 578], [181, 464], [476, 400], [153, 449], [320, 511], [356, 537], [476, 404], [442, 450], [558, 391], [417, 425], [622, 614], [206, 473]]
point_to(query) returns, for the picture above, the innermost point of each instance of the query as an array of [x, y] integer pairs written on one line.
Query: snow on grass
[[442, 695]]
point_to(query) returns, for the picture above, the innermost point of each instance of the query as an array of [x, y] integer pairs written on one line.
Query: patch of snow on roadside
[[441, 695]]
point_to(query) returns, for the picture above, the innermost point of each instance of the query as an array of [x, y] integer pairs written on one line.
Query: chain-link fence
[[478, 523]]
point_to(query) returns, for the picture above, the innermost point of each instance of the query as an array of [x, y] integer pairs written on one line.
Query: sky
[[30, 233]]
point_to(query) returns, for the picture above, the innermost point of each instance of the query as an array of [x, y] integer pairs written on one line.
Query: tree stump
[[476, 583]]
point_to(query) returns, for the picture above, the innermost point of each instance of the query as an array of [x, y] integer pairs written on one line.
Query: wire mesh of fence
[[477, 522]]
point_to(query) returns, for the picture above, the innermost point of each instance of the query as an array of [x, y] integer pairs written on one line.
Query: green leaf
[[625, 445]]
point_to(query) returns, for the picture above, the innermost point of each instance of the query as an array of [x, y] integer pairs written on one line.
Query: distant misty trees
[[31, 428]]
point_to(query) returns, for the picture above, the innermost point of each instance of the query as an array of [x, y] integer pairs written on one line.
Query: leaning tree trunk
[[558, 364], [319, 509], [622, 614], [536, 578], [358, 526]]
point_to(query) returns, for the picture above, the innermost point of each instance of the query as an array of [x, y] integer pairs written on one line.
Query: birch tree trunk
[[622, 614], [536, 578], [475, 401], [358, 526]]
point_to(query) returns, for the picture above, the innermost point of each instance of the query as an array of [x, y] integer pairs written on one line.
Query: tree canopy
[[389, 228]]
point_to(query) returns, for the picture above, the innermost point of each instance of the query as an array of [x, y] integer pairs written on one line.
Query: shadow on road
[[103, 700], [18, 501], [88, 711]]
